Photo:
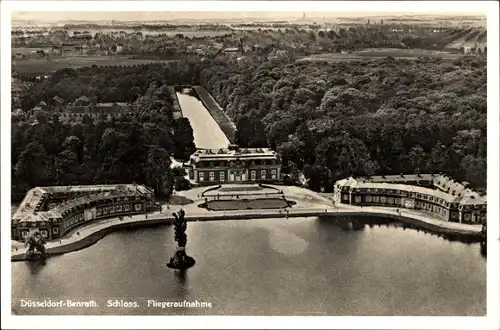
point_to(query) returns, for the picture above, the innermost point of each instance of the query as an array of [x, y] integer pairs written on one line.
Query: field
[[378, 53], [42, 65]]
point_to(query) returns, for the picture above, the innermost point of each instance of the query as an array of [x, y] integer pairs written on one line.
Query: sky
[[153, 16]]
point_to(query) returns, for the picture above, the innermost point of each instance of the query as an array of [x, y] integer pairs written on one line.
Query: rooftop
[[449, 190], [31, 203], [215, 154], [102, 107], [409, 188], [399, 178], [440, 181]]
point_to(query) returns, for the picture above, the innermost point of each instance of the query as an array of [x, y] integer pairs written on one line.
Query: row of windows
[[72, 220], [474, 217], [253, 175], [116, 209], [381, 199], [204, 164], [397, 201], [431, 208], [376, 199], [104, 201], [405, 193], [43, 232]]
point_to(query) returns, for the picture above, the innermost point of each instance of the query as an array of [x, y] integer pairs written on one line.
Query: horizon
[[93, 16]]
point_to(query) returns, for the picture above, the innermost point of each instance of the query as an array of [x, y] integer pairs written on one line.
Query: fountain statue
[[36, 246], [180, 260]]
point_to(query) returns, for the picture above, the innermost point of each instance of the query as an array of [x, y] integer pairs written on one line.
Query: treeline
[[109, 83], [120, 150], [383, 116]]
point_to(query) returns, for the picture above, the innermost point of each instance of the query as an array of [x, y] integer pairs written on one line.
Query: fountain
[[180, 260]]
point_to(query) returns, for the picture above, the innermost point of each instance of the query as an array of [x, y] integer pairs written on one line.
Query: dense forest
[[329, 120], [107, 83], [122, 150], [383, 116]]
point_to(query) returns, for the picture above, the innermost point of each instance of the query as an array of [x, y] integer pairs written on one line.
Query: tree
[[158, 172], [33, 165], [183, 139]]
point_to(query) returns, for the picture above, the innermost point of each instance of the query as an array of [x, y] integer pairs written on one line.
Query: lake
[[266, 267]]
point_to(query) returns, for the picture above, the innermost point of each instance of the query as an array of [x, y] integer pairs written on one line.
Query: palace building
[[212, 166], [437, 194], [53, 211]]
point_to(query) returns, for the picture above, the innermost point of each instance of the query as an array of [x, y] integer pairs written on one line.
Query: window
[[273, 174], [357, 199], [263, 174], [345, 197], [390, 200], [55, 230], [201, 176], [376, 199], [211, 176], [368, 199], [383, 199], [222, 176], [44, 233]]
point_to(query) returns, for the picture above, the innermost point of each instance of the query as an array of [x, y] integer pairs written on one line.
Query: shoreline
[[97, 231]]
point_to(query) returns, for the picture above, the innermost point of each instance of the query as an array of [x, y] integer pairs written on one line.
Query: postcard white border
[[489, 8]]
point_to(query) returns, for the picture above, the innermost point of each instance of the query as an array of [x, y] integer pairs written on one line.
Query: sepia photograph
[[220, 159]]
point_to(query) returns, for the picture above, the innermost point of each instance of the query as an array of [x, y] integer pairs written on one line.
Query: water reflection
[[35, 266], [261, 267]]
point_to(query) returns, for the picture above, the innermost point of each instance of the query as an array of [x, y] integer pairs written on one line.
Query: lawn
[[247, 204]]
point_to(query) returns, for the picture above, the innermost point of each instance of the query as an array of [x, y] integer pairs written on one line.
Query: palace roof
[[447, 188], [30, 208], [227, 154]]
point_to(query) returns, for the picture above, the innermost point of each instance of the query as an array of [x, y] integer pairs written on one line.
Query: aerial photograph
[[248, 163]]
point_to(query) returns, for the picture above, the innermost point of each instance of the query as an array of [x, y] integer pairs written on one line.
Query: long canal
[[206, 131]]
